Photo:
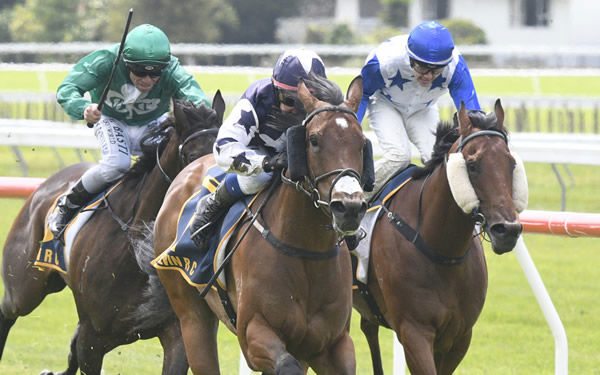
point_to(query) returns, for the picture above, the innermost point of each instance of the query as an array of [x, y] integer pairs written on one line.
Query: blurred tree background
[[206, 21]]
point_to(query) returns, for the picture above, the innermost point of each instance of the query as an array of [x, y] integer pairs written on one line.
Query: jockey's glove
[[275, 162]]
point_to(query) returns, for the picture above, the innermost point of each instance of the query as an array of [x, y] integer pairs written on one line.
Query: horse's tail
[[156, 308]]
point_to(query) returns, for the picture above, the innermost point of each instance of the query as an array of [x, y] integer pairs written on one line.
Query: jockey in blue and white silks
[[403, 78], [251, 143]]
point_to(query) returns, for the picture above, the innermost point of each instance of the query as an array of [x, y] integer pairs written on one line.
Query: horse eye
[[314, 140], [473, 167]]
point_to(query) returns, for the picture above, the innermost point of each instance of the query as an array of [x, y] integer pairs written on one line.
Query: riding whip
[[115, 64]]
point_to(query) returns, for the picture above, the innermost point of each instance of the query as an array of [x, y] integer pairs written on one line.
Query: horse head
[[486, 179], [331, 144], [197, 127]]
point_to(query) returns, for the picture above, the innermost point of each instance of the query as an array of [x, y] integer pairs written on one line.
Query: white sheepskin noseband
[[463, 192]]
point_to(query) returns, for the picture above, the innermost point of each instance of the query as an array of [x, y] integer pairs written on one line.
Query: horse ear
[[464, 122], [499, 113], [309, 101], [354, 94], [218, 105]]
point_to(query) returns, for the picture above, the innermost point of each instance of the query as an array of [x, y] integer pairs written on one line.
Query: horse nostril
[[507, 229], [337, 207]]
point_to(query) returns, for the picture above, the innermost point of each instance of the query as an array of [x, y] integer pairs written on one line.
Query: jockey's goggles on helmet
[[423, 68], [141, 71], [287, 98]]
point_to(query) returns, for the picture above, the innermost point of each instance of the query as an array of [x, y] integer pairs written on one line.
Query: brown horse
[[103, 274], [292, 295], [427, 275]]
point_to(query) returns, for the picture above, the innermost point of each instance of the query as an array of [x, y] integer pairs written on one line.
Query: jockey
[[251, 143], [403, 78], [146, 78]]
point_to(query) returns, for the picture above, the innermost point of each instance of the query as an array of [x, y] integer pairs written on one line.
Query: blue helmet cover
[[294, 64], [431, 43]]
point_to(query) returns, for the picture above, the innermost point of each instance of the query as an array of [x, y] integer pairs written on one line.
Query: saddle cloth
[[361, 254], [54, 253], [197, 266]]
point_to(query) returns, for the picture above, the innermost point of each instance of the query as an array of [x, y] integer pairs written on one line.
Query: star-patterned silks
[[397, 80], [438, 82], [247, 120]]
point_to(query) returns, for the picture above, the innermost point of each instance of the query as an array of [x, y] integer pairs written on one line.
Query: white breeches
[[396, 131], [118, 142]]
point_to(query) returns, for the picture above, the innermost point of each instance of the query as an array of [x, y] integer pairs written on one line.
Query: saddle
[[197, 266]]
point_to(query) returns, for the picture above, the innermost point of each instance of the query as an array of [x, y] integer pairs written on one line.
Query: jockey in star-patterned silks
[[403, 79], [146, 78], [251, 143]]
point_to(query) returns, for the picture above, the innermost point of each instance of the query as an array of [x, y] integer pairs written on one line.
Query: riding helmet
[[294, 64], [430, 43], [147, 45]]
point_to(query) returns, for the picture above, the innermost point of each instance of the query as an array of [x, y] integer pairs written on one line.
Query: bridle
[[313, 181], [184, 162]]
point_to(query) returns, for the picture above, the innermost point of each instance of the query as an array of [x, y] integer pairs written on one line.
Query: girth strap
[[363, 289], [226, 302]]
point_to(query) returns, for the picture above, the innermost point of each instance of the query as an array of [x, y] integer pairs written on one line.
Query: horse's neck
[[444, 226], [294, 219], [155, 185]]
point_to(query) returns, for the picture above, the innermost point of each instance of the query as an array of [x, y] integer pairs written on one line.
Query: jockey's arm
[[232, 149], [461, 87]]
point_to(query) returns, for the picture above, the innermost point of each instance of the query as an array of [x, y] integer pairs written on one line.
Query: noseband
[[313, 183]]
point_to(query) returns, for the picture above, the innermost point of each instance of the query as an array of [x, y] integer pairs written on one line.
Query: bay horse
[[292, 296], [103, 274], [429, 285]]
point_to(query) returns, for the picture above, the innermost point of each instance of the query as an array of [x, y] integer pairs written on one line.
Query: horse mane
[[324, 89], [447, 133]]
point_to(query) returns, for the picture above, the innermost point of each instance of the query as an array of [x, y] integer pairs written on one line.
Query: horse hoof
[[288, 365]]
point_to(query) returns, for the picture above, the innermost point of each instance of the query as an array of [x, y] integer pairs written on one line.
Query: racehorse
[[427, 275], [103, 274], [290, 284]]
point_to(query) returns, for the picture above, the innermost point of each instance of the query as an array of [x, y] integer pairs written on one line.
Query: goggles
[[141, 71], [286, 99], [423, 69]]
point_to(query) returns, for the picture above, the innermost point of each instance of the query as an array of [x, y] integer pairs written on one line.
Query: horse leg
[[89, 349], [5, 325], [73, 363], [265, 351], [174, 361], [371, 332], [339, 359], [418, 348], [198, 323], [449, 362]]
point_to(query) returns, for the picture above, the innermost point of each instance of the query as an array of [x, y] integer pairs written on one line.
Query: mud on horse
[[293, 301], [427, 276], [111, 305]]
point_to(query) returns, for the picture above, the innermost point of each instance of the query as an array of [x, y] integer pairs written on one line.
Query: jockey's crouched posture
[[146, 78], [251, 143]]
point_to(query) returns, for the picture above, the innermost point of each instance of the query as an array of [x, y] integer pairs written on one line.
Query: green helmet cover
[[147, 44]]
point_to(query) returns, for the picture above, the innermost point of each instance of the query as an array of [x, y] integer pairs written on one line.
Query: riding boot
[[208, 210], [66, 208], [352, 241]]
